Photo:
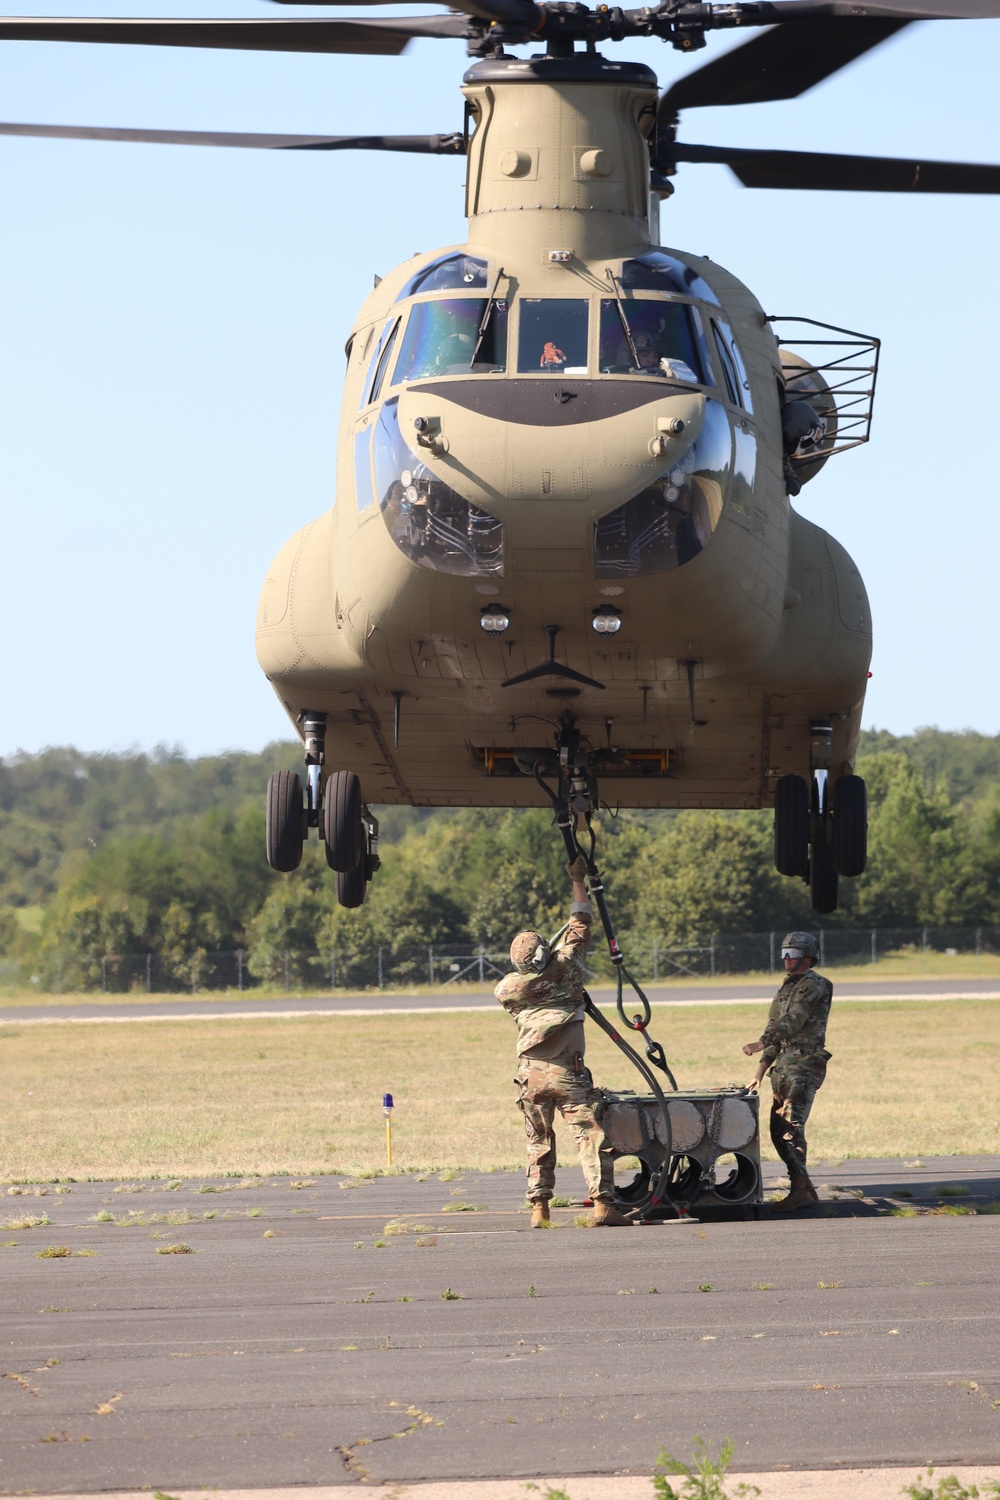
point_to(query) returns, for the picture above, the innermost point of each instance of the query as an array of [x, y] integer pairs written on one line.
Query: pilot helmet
[[799, 945]]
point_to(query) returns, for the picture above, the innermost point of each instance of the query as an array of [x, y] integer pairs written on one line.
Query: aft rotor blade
[[853, 174], [779, 64], [380, 37], [516, 12], [432, 145]]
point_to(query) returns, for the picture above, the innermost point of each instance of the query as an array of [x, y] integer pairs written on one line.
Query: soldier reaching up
[[792, 1046], [545, 996]]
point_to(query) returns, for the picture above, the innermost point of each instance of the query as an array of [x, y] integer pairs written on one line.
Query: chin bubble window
[[552, 336], [428, 521], [453, 336], [668, 523], [650, 338]]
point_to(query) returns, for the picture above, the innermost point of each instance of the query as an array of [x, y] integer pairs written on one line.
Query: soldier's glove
[[577, 869]]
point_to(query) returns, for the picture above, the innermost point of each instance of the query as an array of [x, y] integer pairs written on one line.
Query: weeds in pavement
[[949, 1487], [26, 1221], [704, 1478]]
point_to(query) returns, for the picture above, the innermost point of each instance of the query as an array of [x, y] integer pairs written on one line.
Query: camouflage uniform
[[548, 1009], [794, 1040]]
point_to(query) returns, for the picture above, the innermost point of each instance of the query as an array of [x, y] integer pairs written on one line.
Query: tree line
[[138, 853]]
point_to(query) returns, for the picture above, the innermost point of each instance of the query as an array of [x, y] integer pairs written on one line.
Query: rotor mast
[[558, 160]]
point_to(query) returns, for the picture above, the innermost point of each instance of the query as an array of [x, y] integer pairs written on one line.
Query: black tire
[[791, 825], [351, 886], [285, 821], [823, 882], [342, 826], [850, 826]]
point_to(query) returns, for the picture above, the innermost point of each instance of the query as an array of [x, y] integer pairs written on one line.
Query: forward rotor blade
[[779, 64], [432, 145], [506, 11], [380, 37], [908, 10], [855, 174]]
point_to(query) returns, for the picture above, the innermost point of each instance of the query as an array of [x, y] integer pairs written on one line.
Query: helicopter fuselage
[[560, 424]]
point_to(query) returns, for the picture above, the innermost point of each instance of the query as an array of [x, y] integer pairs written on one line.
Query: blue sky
[[172, 324]]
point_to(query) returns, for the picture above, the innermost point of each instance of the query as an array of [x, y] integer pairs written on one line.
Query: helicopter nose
[[504, 442]]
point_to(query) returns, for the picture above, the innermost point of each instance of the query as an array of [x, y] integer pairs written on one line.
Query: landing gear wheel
[[352, 885], [285, 832], [822, 877], [850, 825], [791, 825], [342, 827]]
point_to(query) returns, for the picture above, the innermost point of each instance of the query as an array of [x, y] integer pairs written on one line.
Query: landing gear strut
[[337, 812], [819, 835]]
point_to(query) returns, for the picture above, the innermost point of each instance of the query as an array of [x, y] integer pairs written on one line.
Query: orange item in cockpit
[[552, 355]]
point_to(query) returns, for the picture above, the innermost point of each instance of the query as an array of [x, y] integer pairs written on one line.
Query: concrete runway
[[302, 1344], [369, 1002]]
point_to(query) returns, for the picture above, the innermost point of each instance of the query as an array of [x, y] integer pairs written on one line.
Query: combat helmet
[[803, 941], [529, 953]]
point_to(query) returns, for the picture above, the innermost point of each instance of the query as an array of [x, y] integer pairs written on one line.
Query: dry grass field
[[303, 1095]]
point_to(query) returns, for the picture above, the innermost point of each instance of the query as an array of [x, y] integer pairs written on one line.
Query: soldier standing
[[545, 996], [792, 1046]]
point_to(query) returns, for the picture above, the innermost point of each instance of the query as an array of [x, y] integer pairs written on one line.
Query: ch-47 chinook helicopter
[[567, 455]]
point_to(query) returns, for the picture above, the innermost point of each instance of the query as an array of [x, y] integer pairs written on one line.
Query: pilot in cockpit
[[458, 339]]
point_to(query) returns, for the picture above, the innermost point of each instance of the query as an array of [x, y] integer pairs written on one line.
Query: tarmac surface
[[305, 1341], [374, 1002]]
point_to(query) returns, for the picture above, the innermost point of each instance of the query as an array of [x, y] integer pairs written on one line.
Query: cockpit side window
[[443, 338], [449, 273], [733, 368], [658, 272], [728, 368], [552, 336], [382, 364], [659, 340]]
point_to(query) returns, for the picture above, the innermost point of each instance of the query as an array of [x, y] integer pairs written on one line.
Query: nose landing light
[[494, 619], [607, 620]]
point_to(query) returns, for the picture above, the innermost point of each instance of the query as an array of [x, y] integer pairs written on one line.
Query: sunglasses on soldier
[[792, 953]]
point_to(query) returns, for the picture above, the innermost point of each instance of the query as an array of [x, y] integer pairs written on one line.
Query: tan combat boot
[[606, 1214], [802, 1195], [540, 1213]]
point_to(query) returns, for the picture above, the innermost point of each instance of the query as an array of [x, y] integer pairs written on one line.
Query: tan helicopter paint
[[772, 609]]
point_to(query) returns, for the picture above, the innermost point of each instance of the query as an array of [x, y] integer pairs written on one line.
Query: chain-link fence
[[384, 967]]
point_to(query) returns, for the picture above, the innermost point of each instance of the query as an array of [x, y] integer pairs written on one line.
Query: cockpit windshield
[[659, 339], [658, 272], [449, 273], [552, 336], [441, 338]]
